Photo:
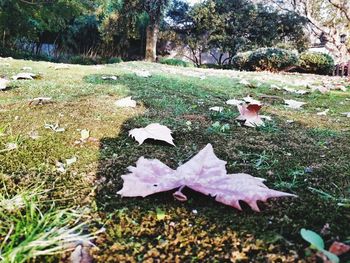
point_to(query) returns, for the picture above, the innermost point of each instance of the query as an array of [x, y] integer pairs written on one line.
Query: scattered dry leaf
[[40, 101], [24, 75], [323, 113], [109, 77], [154, 131], [250, 115], [293, 104], [250, 100], [126, 102], [218, 109], [234, 102], [4, 84]]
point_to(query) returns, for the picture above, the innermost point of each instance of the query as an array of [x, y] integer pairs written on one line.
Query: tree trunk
[[151, 42]]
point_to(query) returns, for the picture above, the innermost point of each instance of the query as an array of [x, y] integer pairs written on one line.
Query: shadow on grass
[[202, 229]]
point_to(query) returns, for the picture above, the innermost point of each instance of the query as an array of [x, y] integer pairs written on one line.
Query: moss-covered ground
[[309, 157]]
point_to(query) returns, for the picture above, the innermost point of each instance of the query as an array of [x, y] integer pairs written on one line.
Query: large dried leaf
[[250, 115], [153, 131], [204, 173]]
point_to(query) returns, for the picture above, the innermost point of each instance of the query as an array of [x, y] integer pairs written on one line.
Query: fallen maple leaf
[[250, 115], [153, 131], [293, 104], [29, 76], [204, 173], [126, 102]]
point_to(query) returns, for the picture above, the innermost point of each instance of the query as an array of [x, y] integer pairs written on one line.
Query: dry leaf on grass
[[40, 101], [234, 102], [293, 104], [250, 115], [24, 76], [143, 73], [4, 84], [109, 77], [61, 66], [323, 113], [153, 131], [218, 109], [84, 135], [321, 89], [55, 127], [204, 173], [250, 100], [125, 103]]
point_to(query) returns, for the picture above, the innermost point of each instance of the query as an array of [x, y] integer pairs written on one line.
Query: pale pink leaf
[[250, 115], [204, 173], [153, 131]]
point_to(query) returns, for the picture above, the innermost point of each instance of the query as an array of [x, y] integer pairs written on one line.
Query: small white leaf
[[70, 161], [85, 134], [109, 77], [153, 131], [293, 104], [323, 113], [29, 76], [143, 73], [218, 109], [234, 102], [4, 83], [125, 103]]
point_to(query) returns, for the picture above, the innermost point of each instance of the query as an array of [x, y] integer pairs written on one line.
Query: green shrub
[[240, 61], [271, 59], [315, 62], [82, 60], [174, 62], [114, 60]]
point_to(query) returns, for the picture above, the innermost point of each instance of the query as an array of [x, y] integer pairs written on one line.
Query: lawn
[[55, 186]]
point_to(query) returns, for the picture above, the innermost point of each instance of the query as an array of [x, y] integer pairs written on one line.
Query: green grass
[[179, 98]]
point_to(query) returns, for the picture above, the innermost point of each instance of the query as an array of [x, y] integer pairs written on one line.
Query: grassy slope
[[178, 98]]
